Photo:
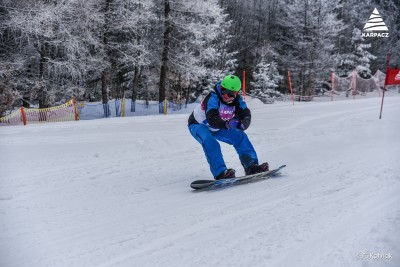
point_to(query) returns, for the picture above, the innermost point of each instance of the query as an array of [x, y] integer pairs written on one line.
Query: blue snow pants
[[212, 149]]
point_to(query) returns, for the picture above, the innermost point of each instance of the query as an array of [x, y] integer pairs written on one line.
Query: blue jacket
[[214, 112]]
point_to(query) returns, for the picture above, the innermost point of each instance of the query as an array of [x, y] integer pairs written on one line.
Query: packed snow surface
[[115, 192]]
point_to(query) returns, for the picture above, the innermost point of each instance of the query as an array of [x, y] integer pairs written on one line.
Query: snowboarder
[[224, 116]]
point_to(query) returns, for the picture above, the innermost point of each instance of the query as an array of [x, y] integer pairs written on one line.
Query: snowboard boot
[[228, 173], [255, 168]]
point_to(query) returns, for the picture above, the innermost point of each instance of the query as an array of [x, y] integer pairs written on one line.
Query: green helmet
[[232, 82]]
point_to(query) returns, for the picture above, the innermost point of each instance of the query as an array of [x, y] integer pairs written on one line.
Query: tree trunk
[[104, 73], [43, 98], [164, 60], [135, 85]]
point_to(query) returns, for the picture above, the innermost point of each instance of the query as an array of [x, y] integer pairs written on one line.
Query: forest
[[97, 50]]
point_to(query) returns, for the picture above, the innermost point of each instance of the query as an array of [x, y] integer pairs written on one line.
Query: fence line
[[73, 110], [23, 116]]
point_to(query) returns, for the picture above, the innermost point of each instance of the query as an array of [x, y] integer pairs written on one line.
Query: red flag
[[392, 76]]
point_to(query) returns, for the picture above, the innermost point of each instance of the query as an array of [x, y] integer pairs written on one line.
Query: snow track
[[115, 192]]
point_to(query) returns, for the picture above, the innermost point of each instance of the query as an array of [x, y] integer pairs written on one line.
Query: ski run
[[115, 192]]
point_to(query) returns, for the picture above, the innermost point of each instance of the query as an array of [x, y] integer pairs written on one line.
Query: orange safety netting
[[22, 116]]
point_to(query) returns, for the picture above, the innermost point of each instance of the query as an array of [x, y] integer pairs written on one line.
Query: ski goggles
[[228, 92]]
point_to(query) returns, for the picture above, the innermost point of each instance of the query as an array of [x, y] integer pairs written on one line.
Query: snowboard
[[213, 184]]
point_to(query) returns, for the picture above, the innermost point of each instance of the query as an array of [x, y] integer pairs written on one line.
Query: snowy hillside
[[115, 192]]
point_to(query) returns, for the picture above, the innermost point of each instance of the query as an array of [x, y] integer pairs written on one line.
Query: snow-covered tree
[[312, 29], [8, 97], [97, 49], [128, 48], [356, 16], [358, 58], [223, 63], [266, 79], [53, 41], [191, 29]]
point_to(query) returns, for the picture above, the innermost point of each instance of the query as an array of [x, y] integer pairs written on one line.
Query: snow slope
[[115, 192]]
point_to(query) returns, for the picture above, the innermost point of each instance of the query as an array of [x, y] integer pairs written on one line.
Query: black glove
[[245, 123]]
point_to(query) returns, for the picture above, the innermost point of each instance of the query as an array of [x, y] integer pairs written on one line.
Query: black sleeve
[[244, 116], [212, 116], [243, 113]]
